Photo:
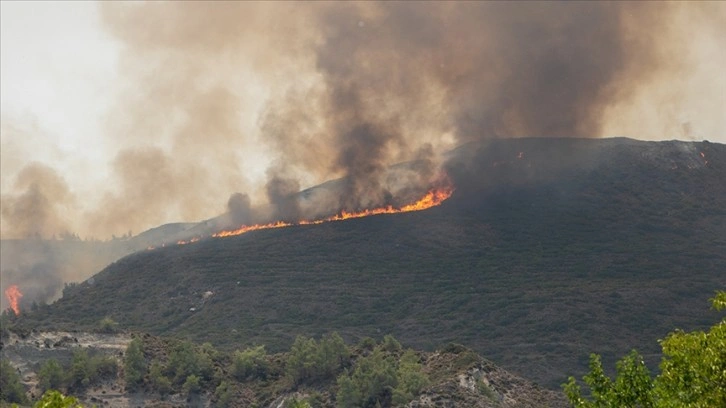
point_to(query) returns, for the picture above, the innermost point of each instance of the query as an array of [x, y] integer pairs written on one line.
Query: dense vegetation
[[534, 262], [324, 372]]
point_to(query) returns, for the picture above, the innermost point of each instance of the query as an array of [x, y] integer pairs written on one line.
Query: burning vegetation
[[14, 294], [434, 197]]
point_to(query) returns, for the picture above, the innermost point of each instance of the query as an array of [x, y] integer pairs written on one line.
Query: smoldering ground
[[264, 99]]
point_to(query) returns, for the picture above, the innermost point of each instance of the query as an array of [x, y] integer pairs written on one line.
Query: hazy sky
[[131, 115]]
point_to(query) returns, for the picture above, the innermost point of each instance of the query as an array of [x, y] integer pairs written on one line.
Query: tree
[[134, 364], [692, 373], [80, 373], [411, 378], [191, 385], [348, 395], [107, 325], [370, 383], [184, 361], [11, 390], [310, 360], [54, 399], [51, 375], [157, 378], [250, 363], [223, 395]]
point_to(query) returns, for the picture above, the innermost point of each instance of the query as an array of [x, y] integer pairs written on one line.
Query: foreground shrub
[[692, 373]]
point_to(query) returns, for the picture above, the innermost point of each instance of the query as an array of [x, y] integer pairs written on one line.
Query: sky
[[123, 116]]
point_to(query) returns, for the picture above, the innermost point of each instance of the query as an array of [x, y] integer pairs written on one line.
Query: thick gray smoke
[[267, 98]]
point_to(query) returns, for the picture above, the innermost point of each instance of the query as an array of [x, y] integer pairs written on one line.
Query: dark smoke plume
[[213, 93], [267, 98]]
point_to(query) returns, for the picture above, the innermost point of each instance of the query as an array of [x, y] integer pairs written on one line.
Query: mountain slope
[[548, 250]]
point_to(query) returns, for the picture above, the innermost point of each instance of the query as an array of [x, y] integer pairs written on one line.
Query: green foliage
[[390, 344], [367, 343], [158, 380], [54, 399], [223, 395], [373, 379], [191, 385], [79, 373], [297, 403], [184, 361], [309, 360], [411, 378], [134, 364], [11, 390], [107, 325], [692, 374], [51, 375], [250, 363], [101, 367], [348, 395]]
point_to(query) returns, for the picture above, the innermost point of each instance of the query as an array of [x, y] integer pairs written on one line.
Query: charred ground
[[548, 250]]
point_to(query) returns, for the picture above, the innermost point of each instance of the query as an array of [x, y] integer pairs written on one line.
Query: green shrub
[[79, 375], [184, 361], [102, 367], [411, 378], [11, 390], [390, 344], [107, 325], [51, 375], [250, 363], [223, 395], [191, 385], [370, 383], [309, 360], [54, 399], [134, 364], [692, 373], [158, 380]]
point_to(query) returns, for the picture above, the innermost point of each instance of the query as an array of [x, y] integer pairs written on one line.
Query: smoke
[[40, 203], [268, 98]]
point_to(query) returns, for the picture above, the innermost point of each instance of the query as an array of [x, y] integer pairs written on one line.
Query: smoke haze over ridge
[[263, 99]]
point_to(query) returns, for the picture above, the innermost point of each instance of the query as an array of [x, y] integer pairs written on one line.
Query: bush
[[158, 380], [223, 395], [693, 373], [390, 344], [310, 361], [54, 399], [79, 373], [51, 375], [11, 390], [411, 378], [191, 385], [250, 363], [184, 361], [370, 384], [107, 325], [134, 364]]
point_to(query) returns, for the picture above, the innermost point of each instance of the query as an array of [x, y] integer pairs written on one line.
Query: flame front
[[13, 294], [432, 198]]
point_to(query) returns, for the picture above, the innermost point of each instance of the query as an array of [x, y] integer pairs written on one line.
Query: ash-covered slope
[[548, 250]]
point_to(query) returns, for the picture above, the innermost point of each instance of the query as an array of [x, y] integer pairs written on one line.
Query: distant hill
[[548, 250]]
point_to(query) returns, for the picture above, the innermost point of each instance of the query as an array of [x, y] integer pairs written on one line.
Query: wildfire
[[432, 199], [13, 294]]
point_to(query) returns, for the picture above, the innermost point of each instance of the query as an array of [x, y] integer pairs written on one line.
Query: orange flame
[[432, 199], [13, 294]]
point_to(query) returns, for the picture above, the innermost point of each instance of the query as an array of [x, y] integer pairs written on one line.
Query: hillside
[[548, 250], [456, 376]]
